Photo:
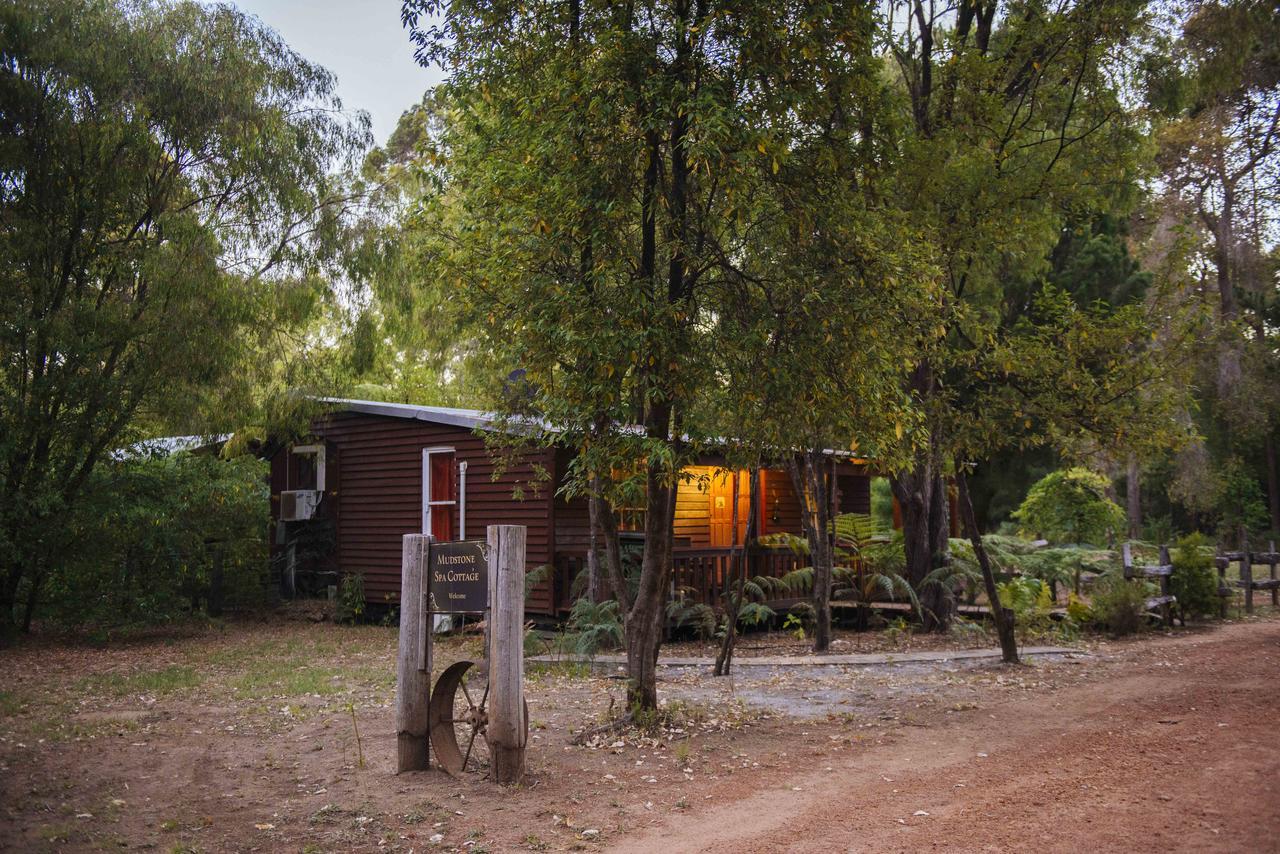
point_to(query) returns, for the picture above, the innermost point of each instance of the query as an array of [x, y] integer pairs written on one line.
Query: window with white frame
[[308, 468]]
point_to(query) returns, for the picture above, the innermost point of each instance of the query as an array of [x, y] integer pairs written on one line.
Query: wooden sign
[[458, 577]]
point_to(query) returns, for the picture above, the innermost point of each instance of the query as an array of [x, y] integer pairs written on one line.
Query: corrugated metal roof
[[168, 445], [469, 418]]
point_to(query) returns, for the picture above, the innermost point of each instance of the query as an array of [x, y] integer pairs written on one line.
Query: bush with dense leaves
[[151, 535], [1070, 506], [1194, 581], [1119, 604]]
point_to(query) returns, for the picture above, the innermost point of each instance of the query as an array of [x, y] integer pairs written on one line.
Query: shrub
[[351, 597], [149, 535], [882, 503], [1194, 581], [595, 626], [1031, 603], [702, 618], [1119, 604], [1070, 506], [1240, 500]]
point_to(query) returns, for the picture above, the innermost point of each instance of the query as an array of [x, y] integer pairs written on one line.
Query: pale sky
[[360, 41]]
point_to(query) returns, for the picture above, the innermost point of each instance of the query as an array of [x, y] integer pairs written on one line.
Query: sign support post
[[413, 659], [506, 651]]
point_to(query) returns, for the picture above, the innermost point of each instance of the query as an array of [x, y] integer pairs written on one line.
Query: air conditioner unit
[[298, 505]]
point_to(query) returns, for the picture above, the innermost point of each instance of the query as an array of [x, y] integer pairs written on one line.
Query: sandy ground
[[246, 739]]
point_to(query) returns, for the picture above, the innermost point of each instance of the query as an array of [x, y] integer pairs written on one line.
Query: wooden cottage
[[372, 472]]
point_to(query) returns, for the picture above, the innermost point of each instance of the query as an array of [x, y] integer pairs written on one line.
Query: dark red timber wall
[[373, 497], [377, 497]]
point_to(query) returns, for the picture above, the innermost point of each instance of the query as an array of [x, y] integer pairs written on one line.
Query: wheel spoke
[[485, 697], [467, 693], [470, 742]]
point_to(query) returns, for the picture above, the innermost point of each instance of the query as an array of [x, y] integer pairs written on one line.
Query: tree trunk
[[1002, 616], [936, 598], [29, 608], [644, 620], [1133, 497], [1273, 488], [811, 477], [926, 528], [724, 660], [595, 584], [607, 521], [8, 607]]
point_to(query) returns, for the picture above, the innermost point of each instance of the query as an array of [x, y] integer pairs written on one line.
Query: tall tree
[[164, 181], [1218, 86], [604, 165], [1016, 119]]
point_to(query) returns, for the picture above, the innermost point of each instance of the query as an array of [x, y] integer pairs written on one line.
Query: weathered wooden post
[[1166, 607], [506, 651], [1225, 592], [1275, 588], [413, 660], [1246, 571]]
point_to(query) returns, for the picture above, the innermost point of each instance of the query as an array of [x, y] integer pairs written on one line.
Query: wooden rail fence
[[1246, 581], [1163, 572]]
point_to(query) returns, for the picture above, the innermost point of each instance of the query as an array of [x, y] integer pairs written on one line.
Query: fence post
[[413, 659], [1246, 571], [1166, 608], [506, 651], [1275, 593], [1224, 590]]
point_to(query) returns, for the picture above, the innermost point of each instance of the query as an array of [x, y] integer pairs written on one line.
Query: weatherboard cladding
[[374, 483], [379, 497]]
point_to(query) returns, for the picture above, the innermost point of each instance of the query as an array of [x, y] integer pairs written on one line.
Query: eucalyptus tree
[[603, 177], [1217, 87], [1016, 120], [165, 187], [833, 294]]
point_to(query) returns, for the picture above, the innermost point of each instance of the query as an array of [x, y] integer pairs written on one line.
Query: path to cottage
[[1176, 750], [279, 737]]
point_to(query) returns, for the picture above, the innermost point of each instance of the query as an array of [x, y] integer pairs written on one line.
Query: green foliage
[[149, 531], [681, 611], [169, 205], [794, 625], [755, 614], [1240, 500], [1078, 611], [1119, 604], [1019, 555], [1032, 604], [898, 631], [351, 597], [882, 503], [1195, 580], [1070, 506], [594, 626]]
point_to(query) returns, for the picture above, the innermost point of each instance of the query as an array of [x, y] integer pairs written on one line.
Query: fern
[[797, 582], [797, 544], [755, 613], [595, 626], [702, 618]]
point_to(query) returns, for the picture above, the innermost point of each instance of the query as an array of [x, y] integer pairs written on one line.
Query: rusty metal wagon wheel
[[458, 719]]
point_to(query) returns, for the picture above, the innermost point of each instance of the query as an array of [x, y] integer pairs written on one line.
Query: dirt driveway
[[1177, 749], [245, 738]]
